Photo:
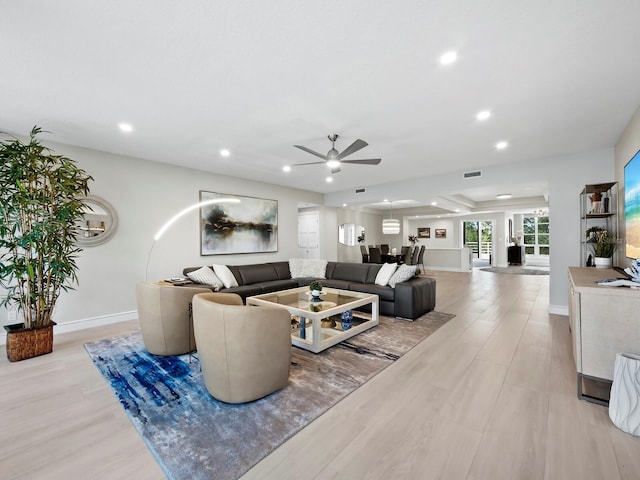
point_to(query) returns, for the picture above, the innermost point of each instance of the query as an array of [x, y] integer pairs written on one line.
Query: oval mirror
[[350, 234], [99, 222]]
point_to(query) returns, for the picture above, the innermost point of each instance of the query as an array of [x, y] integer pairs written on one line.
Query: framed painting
[[236, 224], [424, 232], [441, 233]]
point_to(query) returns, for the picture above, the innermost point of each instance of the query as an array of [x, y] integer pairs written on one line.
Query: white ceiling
[[258, 77]]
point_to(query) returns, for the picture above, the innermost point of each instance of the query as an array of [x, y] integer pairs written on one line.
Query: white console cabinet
[[603, 321]]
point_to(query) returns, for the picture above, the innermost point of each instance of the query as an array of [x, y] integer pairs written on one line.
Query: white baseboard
[[559, 310], [85, 323]]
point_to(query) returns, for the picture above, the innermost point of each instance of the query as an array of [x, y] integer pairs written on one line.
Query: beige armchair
[[163, 311], [244, 351]]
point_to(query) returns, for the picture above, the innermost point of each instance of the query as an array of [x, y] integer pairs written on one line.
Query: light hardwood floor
[[490, 395]]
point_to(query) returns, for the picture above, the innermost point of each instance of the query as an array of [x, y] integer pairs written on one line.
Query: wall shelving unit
[[597, 213]]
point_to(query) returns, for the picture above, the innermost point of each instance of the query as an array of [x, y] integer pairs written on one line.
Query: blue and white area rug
[[194, 436]]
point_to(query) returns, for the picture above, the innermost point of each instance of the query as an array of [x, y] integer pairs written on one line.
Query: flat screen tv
[[632, 206]]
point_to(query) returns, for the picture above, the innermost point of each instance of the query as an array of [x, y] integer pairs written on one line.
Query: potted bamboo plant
[[41, 199]]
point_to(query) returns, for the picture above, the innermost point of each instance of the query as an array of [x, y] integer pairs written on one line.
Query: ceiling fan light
[[390, 226], [333, 163]]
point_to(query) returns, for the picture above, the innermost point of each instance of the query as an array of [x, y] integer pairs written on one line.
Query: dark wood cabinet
[[515, 255]]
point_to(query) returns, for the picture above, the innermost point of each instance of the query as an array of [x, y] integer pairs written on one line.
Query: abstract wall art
[[232, 224]]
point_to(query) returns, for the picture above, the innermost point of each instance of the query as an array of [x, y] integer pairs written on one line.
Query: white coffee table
[[312, 335]]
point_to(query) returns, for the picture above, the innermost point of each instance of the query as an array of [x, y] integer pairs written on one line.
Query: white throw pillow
[[307, 267], [225, 275], [385, 273], [206, 276], [404, 273]]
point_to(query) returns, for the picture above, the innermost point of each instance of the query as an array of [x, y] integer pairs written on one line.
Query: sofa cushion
[[385, 273], [277, 285], [384, 292], [374, 268], [260, 272], [225, 275], [331, 266], [307, 267], [404, 273], [282, 270], [206, 276], [332, 283], [351, 272]]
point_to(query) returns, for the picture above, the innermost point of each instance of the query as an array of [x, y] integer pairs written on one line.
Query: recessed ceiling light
[[385, 200], [329, 179], [344, 204], [286, 168], [125, 127], [502, 145], [224, 152], [502, 196], [483, 115], [449, 57], [457, 210], [434, 203]]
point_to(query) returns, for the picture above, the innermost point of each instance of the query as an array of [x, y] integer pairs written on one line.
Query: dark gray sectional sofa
[[407, 300]]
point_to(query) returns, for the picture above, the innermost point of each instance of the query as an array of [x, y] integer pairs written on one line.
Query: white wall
[[451, 225], [455, 236], [145, 195], [566, 177], [372, 223]]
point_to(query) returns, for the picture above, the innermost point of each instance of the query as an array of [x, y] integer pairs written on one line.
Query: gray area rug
[[194, 436], [516, 270]]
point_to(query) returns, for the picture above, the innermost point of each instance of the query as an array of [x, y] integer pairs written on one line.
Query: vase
[[624, 402], [315, 293], [347, 320], [23, 343], [603, 262]]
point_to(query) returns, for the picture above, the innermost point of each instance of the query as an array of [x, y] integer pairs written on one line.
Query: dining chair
[[365, 254], [374, 255], [384, 252], [420, 261], [407, 255]]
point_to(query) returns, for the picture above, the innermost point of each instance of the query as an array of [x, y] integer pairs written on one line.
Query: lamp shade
[[390, 226]]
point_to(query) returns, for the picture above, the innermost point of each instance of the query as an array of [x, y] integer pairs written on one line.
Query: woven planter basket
[[23, 343]]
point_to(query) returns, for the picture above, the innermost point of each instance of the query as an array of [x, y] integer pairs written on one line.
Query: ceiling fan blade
[[367, 161], [336, 170], [354, 147], [312, 152], [308, 163]]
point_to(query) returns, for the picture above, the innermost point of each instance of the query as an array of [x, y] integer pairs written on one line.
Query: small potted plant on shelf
[[42, 197], [602, 245], [316, 288]]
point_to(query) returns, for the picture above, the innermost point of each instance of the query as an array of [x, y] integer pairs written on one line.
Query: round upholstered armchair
[[163, 312], [244, 351]]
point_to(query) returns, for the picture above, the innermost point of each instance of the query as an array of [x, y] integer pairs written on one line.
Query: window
[[536, 235]]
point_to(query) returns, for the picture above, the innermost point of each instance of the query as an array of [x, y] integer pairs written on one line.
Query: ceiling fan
[[334, 159]]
